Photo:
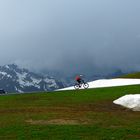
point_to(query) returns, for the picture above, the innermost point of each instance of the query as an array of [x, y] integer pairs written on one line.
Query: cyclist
[[80, 82], [79, 79]]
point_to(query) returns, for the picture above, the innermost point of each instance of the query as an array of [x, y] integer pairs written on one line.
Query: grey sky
[[70, 35]]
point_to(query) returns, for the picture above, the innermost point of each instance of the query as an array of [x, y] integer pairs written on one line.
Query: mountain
[[15, 79]]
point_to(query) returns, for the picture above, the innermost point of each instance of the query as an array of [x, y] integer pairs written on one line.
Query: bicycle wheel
[[76, 86], [85, 85]]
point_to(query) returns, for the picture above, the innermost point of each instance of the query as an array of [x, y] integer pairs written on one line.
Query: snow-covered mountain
[[15, 79]]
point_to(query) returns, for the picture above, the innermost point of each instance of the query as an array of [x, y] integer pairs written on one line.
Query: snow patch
[[131, 101], [36, 81], [23, 82], [109, 83], [5, 74], [7, 66], [20, 91], [21, 79], [50, 82]]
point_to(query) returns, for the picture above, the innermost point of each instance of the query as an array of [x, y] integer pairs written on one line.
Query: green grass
[[131, 75], [69, 115]]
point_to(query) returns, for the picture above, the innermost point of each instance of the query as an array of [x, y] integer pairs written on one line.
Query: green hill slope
[[131, 75], [69, 115]]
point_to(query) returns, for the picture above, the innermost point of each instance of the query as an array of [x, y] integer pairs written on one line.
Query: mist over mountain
[[68, 79], [82, 36]]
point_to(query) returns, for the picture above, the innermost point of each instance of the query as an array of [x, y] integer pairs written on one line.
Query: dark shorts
[[79, 81]]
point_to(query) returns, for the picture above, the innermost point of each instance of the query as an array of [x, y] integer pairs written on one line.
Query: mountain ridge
[[16, 79]]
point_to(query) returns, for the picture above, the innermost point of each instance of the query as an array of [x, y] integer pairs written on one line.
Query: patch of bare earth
[[56, 122], [133, 136]]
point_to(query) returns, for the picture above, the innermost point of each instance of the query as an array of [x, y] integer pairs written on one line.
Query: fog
[[70, 36]]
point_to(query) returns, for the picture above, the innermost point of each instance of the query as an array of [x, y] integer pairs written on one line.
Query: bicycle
[[83, 84]]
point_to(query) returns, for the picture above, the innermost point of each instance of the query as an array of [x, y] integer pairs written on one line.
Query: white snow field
[[109, 83], [131, 101]]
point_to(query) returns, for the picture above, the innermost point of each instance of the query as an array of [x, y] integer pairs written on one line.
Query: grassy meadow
[[69, 115], [132, 75]]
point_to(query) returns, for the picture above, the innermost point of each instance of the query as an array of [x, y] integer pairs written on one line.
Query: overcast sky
[[70, 35]]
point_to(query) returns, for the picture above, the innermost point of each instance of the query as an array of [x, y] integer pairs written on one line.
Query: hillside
[[131, 75], [109, 83], [69, 115]]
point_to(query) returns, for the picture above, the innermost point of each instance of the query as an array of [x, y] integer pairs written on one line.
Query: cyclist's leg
[[82, 81], [79, 82]]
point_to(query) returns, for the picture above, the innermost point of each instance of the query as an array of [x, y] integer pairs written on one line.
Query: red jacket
[[77, 78]]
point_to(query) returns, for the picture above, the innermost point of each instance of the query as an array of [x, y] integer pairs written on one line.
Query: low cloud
[[70, 36]]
